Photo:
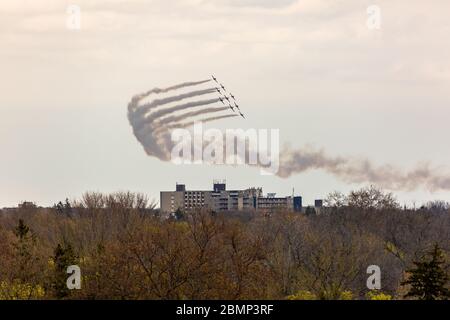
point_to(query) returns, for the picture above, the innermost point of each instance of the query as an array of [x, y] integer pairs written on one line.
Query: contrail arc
[[152, 122], [136, 99]]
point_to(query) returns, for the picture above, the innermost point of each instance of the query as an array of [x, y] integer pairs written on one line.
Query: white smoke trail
[[173, 121], [164, 112], [136, 99], [153, 121], [144, 109], [355, 170], [150, 119], [191, 114], [189, 124], [151, 127]]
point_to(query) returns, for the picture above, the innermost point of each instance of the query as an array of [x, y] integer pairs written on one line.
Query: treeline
[[127, 250]]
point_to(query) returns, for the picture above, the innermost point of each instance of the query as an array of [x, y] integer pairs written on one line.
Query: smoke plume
[[357, 170], [152, 124]]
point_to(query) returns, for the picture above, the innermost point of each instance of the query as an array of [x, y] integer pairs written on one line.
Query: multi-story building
[[221, 199]]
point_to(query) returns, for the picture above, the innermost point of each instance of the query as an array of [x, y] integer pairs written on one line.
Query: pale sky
[[311, 68]]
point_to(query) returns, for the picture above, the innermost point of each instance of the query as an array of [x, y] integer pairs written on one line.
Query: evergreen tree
[[179, 215], [67, 207], [63, 208], [25, 253], [63, 257], [22, 230], [59, 207], [310, 211], [429, 278]]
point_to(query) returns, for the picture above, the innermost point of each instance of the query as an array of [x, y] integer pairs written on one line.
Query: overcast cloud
[[311, 68]]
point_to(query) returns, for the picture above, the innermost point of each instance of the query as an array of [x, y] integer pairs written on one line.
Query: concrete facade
[[219, 199]]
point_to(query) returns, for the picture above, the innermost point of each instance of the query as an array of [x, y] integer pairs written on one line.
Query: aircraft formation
[[229, 99]]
